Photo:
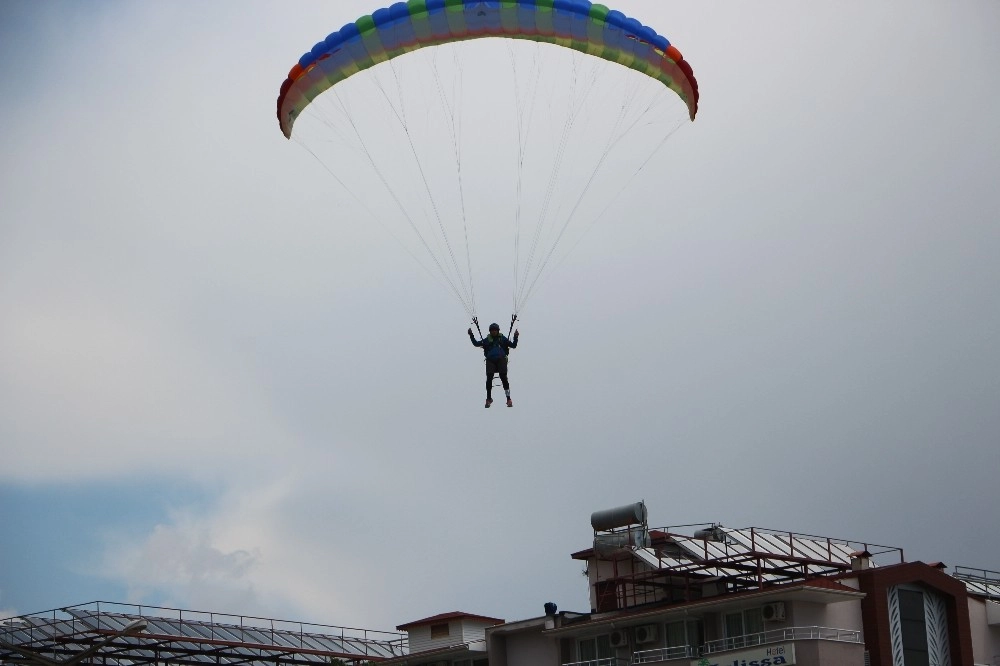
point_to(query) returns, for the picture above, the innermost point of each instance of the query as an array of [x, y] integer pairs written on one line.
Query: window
[[753, 622], [682, 634], [743, 628], [607, 596], [676, 634], [565, 650], [913, 626], [439, 630], [593, 649]]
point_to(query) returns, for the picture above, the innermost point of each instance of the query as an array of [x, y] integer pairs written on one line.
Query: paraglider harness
[[489, 342]]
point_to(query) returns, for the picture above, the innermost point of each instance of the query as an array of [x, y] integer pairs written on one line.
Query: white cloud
[[92, 390], [809, 274], [289, 543], [180, 563]]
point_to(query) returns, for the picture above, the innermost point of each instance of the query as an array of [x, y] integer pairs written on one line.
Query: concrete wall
[[840, 615], [804, 614], [828, 653], [498, 650], [985, 639], [530, 649], [844, 615]]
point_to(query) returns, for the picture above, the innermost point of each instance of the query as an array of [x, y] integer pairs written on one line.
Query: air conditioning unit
[[775, 611], [619, 638], [645, 633]]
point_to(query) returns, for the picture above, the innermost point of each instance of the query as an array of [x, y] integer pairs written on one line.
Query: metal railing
[[783, 543], [981, 581], [781, 635], [604, 661], [664, 654]]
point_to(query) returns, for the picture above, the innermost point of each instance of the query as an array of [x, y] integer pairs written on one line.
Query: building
[[707, 595], [694, 595], [449, 639]]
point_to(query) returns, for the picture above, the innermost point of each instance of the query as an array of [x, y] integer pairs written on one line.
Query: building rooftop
[[444, 617], [127, 635]]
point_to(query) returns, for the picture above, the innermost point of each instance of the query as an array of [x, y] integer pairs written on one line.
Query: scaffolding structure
[[112, 634]]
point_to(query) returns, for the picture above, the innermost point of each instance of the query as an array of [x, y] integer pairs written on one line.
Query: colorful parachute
[[407, 26], [447, 145]]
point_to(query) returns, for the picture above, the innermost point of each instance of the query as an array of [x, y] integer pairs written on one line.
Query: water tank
[[633, 537], [609, 519]]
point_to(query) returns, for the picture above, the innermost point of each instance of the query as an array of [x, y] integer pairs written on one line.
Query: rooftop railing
[[980, 581], [69, 631]]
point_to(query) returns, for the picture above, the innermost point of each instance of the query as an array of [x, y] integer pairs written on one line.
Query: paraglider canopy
[[591, 97], [407, 26]]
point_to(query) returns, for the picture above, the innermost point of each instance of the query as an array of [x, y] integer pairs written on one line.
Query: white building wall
[[420, 639], [844, 615], [602, 570], [802, 614], [599, 570], [459, 631], [839, 615], [473, 633]]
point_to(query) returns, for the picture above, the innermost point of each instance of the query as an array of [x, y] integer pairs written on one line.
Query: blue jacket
[[495, 347]]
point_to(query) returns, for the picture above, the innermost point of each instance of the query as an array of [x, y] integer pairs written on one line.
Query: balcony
[[604, 661], [686, 653], [781, 636]]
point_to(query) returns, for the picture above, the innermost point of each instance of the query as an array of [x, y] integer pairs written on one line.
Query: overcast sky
[[222, 388]]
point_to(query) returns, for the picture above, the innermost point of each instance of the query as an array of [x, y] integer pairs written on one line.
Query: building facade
[[716, 596], [691, 595]]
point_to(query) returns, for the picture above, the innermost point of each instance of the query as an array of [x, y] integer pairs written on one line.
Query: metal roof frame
[[748, 558], [983, 582], [111, 634]]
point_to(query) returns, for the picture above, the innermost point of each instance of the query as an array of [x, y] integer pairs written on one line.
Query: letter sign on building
[[771, 655]]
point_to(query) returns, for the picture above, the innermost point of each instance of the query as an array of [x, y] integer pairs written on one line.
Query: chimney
[[860, 560], [550, 615]]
